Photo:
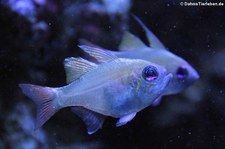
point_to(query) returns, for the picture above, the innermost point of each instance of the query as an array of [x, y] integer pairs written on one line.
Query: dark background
[[36, 38]]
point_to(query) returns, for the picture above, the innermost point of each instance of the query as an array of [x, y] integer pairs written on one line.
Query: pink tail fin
[[44, 97]]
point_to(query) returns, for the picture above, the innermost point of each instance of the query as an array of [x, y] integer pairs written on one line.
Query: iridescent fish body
[[116, 87]]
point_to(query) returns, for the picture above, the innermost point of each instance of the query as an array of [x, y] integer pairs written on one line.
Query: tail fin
[[44, 97]]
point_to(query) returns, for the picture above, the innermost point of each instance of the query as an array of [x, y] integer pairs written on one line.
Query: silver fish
[[116, 87], [132, 47]]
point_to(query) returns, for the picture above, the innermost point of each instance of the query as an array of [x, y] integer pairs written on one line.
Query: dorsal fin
[[103, 56], [76, 67], [131, 42], [153, 40]]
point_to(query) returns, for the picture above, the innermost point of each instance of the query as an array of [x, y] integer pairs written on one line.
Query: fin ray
[[83, 41]]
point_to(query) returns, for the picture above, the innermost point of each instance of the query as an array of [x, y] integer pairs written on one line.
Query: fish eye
[[182, 72], [150, 73]]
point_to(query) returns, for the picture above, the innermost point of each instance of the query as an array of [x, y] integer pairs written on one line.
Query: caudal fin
[[44, 97]]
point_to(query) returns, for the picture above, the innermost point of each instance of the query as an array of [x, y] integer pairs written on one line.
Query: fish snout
[[187, 75], [194, 76]]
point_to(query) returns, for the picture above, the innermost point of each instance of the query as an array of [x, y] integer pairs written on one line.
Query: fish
[[115, 87], [132, 47]]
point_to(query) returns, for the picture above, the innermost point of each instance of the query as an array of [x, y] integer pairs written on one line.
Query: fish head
[[149, 81], [184, 74]]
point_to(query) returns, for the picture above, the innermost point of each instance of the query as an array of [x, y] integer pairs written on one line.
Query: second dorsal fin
[[152, 39], [76, 67], [131, 42], [103, 56]]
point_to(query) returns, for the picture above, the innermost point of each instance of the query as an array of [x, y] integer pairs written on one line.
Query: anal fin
[[93, 120]]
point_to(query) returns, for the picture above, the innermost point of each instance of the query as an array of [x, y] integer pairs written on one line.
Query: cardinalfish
[[116, 87], [132, 47]]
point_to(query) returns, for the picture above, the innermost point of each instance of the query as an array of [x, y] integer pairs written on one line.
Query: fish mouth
[[163, 88]]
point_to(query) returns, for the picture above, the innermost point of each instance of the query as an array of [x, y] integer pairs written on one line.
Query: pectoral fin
[[125, 119], [157, 102], [153, 40], [93, 120]]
